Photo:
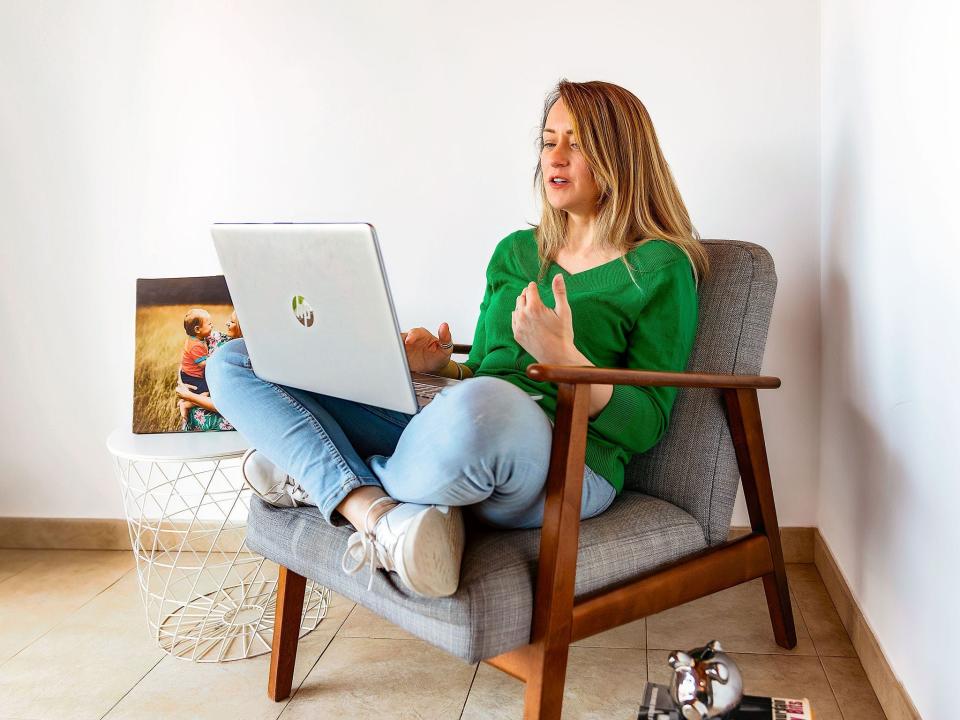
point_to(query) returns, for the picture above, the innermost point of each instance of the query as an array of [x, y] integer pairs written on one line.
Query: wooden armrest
[[588, 375]]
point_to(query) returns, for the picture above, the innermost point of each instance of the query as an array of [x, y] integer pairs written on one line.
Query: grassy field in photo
[[159, 337]]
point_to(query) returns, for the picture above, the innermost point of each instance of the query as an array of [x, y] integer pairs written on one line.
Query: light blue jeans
[[482, 443]]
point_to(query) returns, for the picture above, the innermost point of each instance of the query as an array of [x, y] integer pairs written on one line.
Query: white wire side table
[[207, 597]]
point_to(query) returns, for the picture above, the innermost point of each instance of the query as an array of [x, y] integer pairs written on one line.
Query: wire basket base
[[231, 623], [207, 596]]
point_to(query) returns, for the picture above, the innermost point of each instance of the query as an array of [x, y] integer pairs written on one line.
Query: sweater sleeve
[[479, 347], [662, 338]]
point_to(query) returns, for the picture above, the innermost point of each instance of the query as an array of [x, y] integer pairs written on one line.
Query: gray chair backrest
[[694, 466]]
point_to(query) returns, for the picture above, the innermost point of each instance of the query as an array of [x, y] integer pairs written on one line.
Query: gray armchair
[[525, 595]]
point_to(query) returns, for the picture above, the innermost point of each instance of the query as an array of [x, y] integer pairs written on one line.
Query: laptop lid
[[316, 310]]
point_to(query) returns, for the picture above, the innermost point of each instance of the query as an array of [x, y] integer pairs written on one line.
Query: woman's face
[[560, 156], [233, 327]]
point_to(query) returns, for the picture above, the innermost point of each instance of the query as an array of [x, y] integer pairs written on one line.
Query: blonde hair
[[639, 200]]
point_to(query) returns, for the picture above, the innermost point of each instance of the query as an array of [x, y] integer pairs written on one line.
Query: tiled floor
[[74, 644]]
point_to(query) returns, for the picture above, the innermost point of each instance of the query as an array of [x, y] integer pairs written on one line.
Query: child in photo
[[199, 327]]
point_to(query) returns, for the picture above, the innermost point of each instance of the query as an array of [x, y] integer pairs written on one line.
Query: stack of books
[[658, 705]]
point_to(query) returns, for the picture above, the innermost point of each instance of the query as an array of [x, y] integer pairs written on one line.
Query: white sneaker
[[270, 482], [423, 544]]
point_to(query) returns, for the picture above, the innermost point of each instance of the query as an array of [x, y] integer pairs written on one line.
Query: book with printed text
[[658, 705]]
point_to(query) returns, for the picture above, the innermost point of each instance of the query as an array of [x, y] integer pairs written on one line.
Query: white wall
[[889, 474], [126, 129]]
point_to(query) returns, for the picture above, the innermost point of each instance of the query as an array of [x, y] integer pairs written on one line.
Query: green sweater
[[615, 324]]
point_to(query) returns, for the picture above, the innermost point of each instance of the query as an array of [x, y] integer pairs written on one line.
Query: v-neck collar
[[567, 273], [597, 277], [577, 275]]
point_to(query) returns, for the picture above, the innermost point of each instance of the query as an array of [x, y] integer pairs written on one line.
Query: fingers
[[443, 332], [413, 336], [529, 297], [421, 343], [533, 294], [521, 306], [420, 337], [561, 305], [522, 298], [559, 286]]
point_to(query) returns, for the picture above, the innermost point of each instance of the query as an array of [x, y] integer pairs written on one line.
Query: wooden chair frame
[[557, 619]]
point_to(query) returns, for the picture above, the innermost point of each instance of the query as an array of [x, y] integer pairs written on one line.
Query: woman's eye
[[547, 144]]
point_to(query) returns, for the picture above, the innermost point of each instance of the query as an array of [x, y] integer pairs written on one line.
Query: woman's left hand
[[545, 333]]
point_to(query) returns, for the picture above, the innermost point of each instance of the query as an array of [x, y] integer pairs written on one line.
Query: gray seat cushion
[[492, 610]]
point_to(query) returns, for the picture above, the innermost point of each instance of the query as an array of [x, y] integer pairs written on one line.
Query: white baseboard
[[893, 697], [112, 534], [796, 542], [29, 533]]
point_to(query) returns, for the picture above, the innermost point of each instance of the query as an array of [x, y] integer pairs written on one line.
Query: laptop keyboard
[[425, 390]]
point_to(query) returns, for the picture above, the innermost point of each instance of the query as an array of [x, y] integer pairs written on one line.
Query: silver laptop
[[316, 312]]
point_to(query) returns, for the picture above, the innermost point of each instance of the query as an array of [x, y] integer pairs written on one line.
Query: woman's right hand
[[185, 392], [424, 353]]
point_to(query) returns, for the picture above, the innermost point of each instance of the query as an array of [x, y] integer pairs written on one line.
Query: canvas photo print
[[181, 322]]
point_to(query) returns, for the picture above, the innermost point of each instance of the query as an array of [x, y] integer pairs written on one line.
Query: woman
[[617, 257], [197, 409]]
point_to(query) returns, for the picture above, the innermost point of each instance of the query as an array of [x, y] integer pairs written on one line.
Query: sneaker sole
[[433, 551]]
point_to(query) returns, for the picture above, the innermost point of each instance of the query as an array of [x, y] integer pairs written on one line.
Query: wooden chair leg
[[286, 633], [546, 670], [543, 695], [743, 412]]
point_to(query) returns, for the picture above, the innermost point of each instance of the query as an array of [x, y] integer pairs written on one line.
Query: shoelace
[[288, 486], [296, 491], [372, 551]]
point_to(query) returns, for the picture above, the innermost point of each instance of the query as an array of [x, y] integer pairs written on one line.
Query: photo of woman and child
[[196, 409], [180, 323]]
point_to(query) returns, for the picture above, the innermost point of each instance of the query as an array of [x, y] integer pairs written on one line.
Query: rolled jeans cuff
[[328, 504]]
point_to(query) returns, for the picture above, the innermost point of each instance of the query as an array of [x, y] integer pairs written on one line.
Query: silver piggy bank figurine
[[706, 682]]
